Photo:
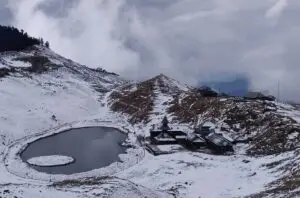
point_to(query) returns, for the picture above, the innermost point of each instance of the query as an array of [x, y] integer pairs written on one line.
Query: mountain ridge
[[138, 100], [268, 124]]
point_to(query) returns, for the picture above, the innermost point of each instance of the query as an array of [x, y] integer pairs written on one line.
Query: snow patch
[[2, 65], [12, 62], [293, 135], [51, 160]]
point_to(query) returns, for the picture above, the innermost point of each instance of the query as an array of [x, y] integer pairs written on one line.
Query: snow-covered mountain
[[41, 91], [141, 99], [273, 127]]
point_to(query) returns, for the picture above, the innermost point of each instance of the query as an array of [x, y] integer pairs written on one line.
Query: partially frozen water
[[92, 148]]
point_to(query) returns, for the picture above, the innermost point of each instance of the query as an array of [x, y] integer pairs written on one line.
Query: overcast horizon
[[191, 40]]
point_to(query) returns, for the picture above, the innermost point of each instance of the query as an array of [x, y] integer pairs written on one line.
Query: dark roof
[[204, 130], [174, 133], [218, 140], [194, 137], [164, 136]]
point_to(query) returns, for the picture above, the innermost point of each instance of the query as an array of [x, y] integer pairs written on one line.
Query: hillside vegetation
[[12, 39]]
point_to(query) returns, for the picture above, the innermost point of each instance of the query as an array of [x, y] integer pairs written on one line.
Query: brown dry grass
[[193, 105], [80, 182], [137, 101], [253, 117], [137, 104]]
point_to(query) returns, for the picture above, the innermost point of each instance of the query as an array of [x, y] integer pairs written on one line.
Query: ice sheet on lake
[[51, 160]]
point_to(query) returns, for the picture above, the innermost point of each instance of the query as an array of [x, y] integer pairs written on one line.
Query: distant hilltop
[[238, 86]]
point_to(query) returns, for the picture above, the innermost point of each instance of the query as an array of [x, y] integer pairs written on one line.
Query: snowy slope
[[261, 167], [92, 187], [195, 174], [34, 101], [28, 101]]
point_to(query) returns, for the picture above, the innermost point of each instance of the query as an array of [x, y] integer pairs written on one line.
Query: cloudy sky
[[190, 40]]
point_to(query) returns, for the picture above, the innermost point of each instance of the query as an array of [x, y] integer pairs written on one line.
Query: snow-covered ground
[[43, 104], [12, 62], [40, 105], [51, 160], [202, 175], [98, 187], [289, 110]]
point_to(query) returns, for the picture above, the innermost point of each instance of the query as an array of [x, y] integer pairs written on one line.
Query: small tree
[[47, 44], [42, 41]]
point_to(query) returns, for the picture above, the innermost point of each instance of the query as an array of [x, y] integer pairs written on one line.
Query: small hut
[[164, 134], [218, 142], [194, 141], [203, 131]]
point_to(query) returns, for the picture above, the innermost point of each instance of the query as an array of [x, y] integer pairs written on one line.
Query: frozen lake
[[92, 148]]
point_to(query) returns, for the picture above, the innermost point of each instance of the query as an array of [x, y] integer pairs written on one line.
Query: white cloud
[[277, 9], [187, 39], [96, 21]]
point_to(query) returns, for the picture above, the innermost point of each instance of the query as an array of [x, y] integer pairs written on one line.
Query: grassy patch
[[77, 182], [194, 104], [137, 103], [268, 129]]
